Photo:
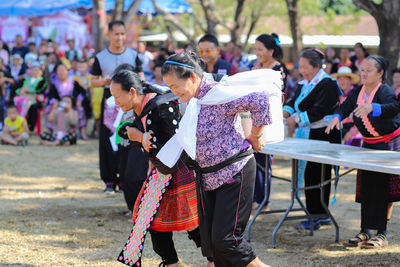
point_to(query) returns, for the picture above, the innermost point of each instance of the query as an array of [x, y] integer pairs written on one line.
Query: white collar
[[316, 79]]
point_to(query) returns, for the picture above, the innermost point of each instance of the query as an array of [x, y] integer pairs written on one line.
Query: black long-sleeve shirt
[[389, 119]]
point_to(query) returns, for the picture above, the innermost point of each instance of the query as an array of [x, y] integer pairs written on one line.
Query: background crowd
[[36, 79]]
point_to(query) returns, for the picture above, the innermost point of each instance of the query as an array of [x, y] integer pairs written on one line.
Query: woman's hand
[[286, 114], [291, 125], [256, 142], [334, 123], [347, 137], [362, 110], [134, 134], [55, 105]]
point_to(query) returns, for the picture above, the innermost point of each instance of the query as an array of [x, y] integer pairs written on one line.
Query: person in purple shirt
[[225, 166]]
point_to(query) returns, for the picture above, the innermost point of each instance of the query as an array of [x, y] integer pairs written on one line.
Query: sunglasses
[[205, 52]]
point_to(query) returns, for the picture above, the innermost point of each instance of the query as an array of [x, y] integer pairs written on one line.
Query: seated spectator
[[86, 54], [51, 62], [18, 69], [238, 60], [32, 56], [15, 131], [228, 51], [62, 85], [157, 75], [292, 82], [344, 61], [209, 51], [71, 53], [65, 120], [6, 82], [360, 55], [4, 53], [30, 97], [396, 82], [19, 47], [330, 54], [42, 55], [73, 68], [83, 78]]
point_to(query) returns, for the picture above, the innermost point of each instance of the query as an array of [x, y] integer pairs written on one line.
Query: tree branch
[[173, 21], [198, 23], [255, 16], [132, 11], [368, 6], [118, 11]]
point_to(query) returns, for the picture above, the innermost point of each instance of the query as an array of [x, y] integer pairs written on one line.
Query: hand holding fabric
[[134, 134]]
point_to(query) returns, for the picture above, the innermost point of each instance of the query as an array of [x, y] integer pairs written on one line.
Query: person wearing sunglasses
[[209, 51]]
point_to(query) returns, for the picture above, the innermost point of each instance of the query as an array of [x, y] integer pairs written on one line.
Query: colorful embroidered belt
[[386, 138]]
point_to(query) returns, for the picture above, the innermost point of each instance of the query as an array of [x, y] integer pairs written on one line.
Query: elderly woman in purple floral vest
[[222, 159]]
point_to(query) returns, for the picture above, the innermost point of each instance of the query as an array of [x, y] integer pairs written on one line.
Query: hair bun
[[275, 35], [319, 52], [196, 58]]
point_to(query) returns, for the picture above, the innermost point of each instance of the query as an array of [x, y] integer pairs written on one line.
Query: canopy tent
[[147, 7], [31, 8]]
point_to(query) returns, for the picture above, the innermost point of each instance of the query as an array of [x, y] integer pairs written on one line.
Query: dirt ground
[[53, 213]]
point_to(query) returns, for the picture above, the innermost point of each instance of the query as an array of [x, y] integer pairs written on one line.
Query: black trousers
[[312, 174], [374, 195], [32, 115], [133, 166], [228, 210], [107, 157], [163, 244]]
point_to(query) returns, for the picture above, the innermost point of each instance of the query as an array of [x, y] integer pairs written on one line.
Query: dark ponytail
[[272, 42], [183, 65], [129, 79]]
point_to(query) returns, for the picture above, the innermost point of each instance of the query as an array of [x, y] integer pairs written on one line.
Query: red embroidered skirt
[[178, 207]]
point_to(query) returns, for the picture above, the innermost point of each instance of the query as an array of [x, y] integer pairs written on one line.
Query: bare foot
[[257, 263], [210, 264]]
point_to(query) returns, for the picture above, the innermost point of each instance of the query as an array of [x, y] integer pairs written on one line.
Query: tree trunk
[[389, 46], [176, 23], [237, 29], [255, 16], [211, 19], [118, 12], [386, 15], [294, 20], [132, 11], [98, 25]]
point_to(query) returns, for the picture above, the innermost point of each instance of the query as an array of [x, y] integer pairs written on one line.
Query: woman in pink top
[[225, 166]]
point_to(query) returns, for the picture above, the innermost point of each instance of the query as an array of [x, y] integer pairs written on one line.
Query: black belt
[[193, 165]]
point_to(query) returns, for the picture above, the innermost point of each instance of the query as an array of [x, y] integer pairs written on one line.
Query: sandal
[[359, 240], [378, 241]]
